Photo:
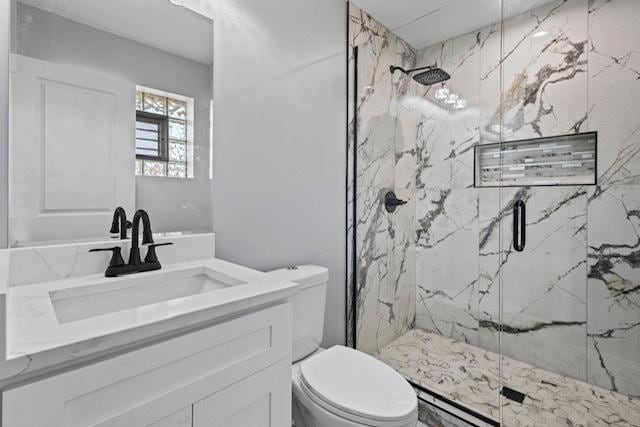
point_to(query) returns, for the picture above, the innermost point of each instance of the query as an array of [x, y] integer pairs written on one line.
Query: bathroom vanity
[[198, 343]]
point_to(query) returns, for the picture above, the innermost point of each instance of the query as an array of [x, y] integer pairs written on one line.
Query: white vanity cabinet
[[234, 373], [261, 400], [182, 418]]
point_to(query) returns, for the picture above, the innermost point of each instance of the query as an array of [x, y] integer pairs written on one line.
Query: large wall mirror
[[111, 105]]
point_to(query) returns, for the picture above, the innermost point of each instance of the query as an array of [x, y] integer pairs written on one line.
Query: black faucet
[[117, 267], [119, 223], [147, 235]]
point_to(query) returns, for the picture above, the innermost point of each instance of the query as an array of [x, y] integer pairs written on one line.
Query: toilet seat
[[357, 387]]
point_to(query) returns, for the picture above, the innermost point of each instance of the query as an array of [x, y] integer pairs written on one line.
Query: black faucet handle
[[391, 202], [116, 258], [151, 251]]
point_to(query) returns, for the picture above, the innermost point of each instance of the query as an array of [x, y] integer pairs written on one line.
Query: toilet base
[[307, 413], [316, 416]]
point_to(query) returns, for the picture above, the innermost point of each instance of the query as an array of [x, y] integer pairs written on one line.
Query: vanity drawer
[[144, 386]]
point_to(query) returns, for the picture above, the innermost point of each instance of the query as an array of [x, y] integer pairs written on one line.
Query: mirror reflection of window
[[164, 136]]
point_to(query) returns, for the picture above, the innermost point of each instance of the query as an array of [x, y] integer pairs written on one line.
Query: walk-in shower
[[493, 206]]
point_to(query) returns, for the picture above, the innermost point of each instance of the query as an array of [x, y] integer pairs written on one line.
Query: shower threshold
[[463, 379]]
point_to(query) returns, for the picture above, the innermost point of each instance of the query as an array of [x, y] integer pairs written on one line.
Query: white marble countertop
[[37, 341]]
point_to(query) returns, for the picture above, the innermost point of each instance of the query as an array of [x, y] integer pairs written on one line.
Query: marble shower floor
[[469, 376]]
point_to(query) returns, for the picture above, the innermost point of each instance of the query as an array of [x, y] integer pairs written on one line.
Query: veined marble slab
[[431, 416], [613, 347], [543, 68], [538, 296], [614, 70], [446, 137], [447, 263], [385, 147], [55, 262], [613, 288], [473, 377]]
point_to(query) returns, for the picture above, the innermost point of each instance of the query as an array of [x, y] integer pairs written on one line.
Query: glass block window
[[163, 134]]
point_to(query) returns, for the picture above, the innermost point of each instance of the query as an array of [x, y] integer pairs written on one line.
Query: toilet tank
[[308, 306]]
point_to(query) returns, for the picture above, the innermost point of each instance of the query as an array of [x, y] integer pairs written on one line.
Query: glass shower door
[[458, 223], [570, 306]]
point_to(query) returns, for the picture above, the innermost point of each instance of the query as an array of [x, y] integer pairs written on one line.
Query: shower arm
[[393, 69]]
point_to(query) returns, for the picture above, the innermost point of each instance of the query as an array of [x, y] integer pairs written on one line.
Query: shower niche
[[557, 160]]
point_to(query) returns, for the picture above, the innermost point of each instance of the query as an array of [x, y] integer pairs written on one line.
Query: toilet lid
[[357, 383]]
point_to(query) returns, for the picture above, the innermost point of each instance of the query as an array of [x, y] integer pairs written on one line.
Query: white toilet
[[339, 387]]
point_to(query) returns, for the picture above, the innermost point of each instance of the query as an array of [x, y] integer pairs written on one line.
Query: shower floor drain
[[512, 394]]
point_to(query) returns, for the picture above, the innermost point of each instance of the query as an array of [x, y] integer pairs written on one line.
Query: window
[[151, 137], [164, 134]]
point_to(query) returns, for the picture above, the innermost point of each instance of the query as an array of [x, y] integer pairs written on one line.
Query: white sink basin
[[122, 293]]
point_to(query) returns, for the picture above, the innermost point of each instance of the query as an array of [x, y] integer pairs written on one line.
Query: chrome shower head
[[431, 76]]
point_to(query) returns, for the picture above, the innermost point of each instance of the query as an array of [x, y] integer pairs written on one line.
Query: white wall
[[4, 118], [279, 138]]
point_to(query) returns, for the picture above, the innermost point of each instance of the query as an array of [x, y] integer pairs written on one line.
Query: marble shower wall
[[446, 204], [571, 300], [613, 242], [385, 151], [544, 72]]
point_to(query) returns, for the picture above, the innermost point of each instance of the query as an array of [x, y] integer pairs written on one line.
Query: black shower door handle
[[519, 225]]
